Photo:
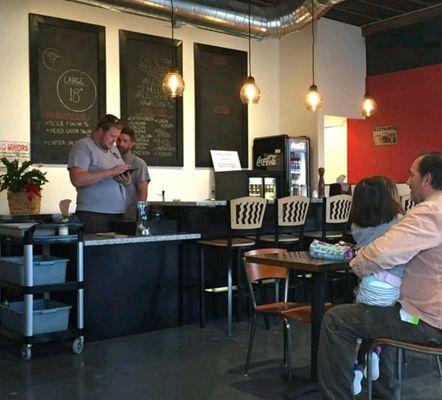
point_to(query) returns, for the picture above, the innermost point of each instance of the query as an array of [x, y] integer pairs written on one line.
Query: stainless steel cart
[[46, 235]]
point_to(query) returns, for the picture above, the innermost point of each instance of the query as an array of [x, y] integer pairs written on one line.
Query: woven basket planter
[[19, 204]]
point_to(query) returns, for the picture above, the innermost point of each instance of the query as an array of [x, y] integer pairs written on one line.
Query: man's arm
[[142, 190], [81, 177], [417, 231]]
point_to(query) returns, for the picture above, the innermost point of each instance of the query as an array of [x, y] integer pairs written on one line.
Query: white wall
[[280, 67], [184, 183], [339, 74], [335, 147]]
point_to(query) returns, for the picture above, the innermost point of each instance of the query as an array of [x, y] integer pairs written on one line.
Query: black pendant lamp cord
[[250, 51], [313, 42], [172, 21]]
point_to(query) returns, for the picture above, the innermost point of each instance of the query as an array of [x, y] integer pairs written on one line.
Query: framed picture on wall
[[385, 135], [156, 119], [220, 117], [68, 84]]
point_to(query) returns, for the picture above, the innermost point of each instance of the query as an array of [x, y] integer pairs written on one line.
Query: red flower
[[32, 190]]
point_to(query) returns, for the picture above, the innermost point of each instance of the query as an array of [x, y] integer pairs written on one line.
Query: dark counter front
[[132, 285]]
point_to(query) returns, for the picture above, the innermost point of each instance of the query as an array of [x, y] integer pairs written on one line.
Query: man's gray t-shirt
[[141, 175], [107, 196]]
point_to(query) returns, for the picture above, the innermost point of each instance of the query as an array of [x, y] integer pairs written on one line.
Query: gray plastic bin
[[48, 316], [46, 270]]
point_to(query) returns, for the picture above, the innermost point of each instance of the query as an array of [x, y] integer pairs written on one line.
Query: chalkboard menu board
[[220, 117], [68, 84], [156, 119]]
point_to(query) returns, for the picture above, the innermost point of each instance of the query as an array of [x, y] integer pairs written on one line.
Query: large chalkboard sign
[[68, 84], [156, 119], [220, 117]]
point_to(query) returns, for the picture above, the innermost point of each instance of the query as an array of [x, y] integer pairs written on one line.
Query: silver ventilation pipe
[[226, 16]]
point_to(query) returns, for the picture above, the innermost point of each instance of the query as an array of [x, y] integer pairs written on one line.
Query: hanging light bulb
[[368, 105], [173, 83], [250, 92], [313, 99]]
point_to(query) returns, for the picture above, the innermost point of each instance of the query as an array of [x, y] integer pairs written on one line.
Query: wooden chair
[[291, 212], [406, 202], [284, 310], [429, 349], [244, 214], [335, 214]]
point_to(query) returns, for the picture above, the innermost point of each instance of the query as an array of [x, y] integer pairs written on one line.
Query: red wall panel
[[411, 100]]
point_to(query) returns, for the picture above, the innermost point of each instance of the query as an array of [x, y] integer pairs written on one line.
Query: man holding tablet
[[98, 172]]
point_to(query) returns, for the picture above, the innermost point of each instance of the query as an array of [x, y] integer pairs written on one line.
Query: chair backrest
[[292, 210], [406, 201], [247, 212], [257, 272], [337, 209]]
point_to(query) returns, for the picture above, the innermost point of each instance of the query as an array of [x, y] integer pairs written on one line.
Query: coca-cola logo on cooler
[[266, 161]]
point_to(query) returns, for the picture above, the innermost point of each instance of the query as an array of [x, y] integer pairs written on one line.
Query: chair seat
[[433, 349], [236, 242], [283, 238], [328, 234], [299, 312]]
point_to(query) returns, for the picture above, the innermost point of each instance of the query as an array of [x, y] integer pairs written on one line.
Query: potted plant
[[24, 186]]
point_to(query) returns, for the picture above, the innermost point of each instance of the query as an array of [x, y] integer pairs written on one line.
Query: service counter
[[132, 284], [209, 217]]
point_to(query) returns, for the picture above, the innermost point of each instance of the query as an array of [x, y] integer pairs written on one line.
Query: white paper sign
[[14, 150], [224, 160]]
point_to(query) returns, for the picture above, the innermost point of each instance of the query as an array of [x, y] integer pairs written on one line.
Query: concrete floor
[[176, 364]]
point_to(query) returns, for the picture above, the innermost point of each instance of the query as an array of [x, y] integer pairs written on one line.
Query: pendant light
[[368, 105], [250, 92], [313, 99], [173, 83]]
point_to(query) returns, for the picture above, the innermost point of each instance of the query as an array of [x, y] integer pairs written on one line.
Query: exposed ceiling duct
[[227, 16]]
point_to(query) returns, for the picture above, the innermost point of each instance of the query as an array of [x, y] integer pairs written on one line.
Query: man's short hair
[[109, 121], [431, 163], [129, 132]]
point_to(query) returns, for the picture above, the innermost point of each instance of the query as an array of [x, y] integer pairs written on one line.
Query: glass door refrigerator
[[232, 184], [287, 155]]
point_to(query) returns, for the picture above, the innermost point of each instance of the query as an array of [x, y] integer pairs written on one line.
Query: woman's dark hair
[[108, 121], [375, 202], [431, 163]]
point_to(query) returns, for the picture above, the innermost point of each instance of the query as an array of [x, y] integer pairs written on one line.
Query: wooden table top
[[299, 260]]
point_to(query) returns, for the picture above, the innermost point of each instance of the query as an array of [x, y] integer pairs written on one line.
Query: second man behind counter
[[137, 189]]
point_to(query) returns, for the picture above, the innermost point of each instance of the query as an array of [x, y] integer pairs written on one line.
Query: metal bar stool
[[335, 214], [291, 212], [429, 349], [244, 214], [406, 202]]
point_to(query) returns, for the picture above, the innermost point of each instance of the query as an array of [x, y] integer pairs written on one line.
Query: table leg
[[318, 306], [229, 293]]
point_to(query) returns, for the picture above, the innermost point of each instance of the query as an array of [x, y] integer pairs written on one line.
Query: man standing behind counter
[[96, 169], [137, 189]]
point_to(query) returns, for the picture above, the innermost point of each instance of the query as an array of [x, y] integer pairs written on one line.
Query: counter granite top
[[204, 203], [109, 239]]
